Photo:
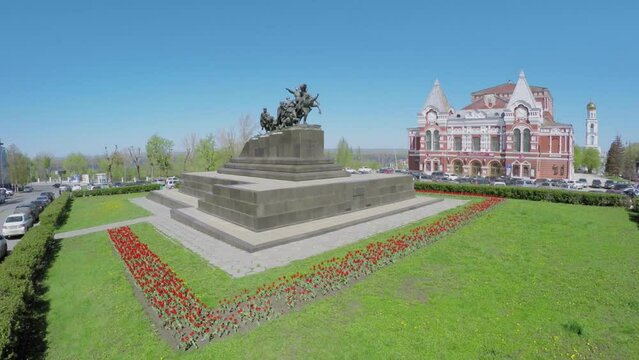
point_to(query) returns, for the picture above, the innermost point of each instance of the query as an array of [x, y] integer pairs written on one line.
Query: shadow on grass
[[32, 342], [633, 215]]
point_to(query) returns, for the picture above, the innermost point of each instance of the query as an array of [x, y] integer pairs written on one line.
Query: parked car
[[45, 199], [16, 224], [572, 184], [40, 204], [7, 192], [170, 184], [49, 194], [499, 183], [596, 184], [546, 184], [56, 185], [583, 182], [28, 189], [76, 187], [608, 184], [365, 170], [632, 192], [4, 248], [619, 188], [3, 198], [30, 208], [65, 187]]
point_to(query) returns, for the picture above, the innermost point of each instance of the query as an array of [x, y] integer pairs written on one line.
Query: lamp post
[[1, 156]]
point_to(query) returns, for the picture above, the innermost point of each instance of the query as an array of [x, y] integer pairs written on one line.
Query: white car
[[76, 187], [170, 184], [364, 170], [351, 171], [16, 224], [7, 192], [451, 177], [3, 247]]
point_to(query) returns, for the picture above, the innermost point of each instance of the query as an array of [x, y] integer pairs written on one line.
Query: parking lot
[[20, 198]]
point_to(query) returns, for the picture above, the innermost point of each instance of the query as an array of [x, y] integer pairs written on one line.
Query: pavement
[[238, 263]]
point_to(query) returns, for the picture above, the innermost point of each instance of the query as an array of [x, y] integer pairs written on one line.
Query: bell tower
[[592, 127]]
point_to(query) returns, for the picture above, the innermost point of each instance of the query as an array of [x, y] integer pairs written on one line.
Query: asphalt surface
[[17, 199]]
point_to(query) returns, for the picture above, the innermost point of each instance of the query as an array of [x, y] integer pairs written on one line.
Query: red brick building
[[508, 129]]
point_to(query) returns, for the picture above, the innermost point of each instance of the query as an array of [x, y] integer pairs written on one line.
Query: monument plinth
[[282, 188], [294, 153]]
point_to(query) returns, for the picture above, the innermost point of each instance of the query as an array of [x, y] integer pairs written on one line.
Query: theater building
[[508, 129]]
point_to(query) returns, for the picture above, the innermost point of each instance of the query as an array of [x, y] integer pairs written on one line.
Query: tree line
[[156, 159]]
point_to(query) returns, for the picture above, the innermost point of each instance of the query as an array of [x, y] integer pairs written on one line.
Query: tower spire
[[437, 99]]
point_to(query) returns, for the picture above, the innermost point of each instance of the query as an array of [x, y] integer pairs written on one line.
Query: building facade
[[508, 129]]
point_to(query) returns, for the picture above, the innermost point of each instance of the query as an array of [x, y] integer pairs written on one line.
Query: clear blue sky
[[79, 75]]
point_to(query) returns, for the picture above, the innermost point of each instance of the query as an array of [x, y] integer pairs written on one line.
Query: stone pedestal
[[294, 154]]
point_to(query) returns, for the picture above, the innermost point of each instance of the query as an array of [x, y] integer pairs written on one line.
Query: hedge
[[117, 190], [20, 274], [535, 194]]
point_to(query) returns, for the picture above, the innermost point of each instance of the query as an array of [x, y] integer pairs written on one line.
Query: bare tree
[[189, 142], [234, 138], [111, 158], [136, 156], [246, 129]]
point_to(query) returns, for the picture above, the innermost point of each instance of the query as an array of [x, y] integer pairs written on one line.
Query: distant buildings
[[508, 129]]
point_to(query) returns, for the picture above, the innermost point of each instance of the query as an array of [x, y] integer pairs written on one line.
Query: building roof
[[437, 99], [506, 88], [591, 106], [483, 104], [522, 92]]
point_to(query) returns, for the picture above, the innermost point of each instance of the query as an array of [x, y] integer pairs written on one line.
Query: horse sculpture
[[291, 112]]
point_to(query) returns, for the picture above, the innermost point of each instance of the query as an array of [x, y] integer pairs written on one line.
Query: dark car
[[44, 198], [48, 194], [609, 184], [56, 185], [28, 209], [596, 184], [41, 204], [619, 188]]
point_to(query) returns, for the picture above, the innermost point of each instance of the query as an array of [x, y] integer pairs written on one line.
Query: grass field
[[99, 210], [526, 280]]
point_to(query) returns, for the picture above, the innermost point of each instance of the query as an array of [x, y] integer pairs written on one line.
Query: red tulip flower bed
[[193, 323]]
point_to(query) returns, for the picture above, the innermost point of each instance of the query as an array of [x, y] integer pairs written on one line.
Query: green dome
[[591, 106]]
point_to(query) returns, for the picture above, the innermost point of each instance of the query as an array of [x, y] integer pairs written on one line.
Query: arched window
[[526, 140], [436, 140], [458, 167], [495, 169], [517, 140], [428, 140]]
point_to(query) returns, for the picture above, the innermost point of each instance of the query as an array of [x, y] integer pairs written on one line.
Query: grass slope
[[99, 210], [520, 282]]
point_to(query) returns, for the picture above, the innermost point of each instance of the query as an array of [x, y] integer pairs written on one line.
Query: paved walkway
[[238, 263]]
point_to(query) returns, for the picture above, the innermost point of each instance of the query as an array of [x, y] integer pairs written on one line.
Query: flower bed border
[[194, 323]]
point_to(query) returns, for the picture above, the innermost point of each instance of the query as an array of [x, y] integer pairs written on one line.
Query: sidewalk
[[238, 263]]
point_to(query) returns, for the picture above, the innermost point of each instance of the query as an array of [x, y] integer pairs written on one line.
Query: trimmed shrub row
[[20, 274], [117, 190], [535, 194]]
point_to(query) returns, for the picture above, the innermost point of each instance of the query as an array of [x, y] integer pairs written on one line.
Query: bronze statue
[[290, 112], [266, 121]]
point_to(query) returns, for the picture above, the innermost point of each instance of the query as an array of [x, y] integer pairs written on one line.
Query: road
[[12, 202]]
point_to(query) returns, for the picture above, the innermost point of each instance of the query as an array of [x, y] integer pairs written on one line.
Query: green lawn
[[519, 282], [99, 210]]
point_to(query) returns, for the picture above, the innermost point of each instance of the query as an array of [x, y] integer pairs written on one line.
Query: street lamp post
[[1, 155]]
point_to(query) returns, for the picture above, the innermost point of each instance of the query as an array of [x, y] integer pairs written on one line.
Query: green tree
[[591, 159], [344, 155], [614, 161], [75, 164], [19, 166], [630, 157], [578, 157], [158, 151], [205, 153]]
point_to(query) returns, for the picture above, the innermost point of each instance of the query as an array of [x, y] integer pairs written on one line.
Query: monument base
[[184, 210], [260, 204], [294, 154]]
